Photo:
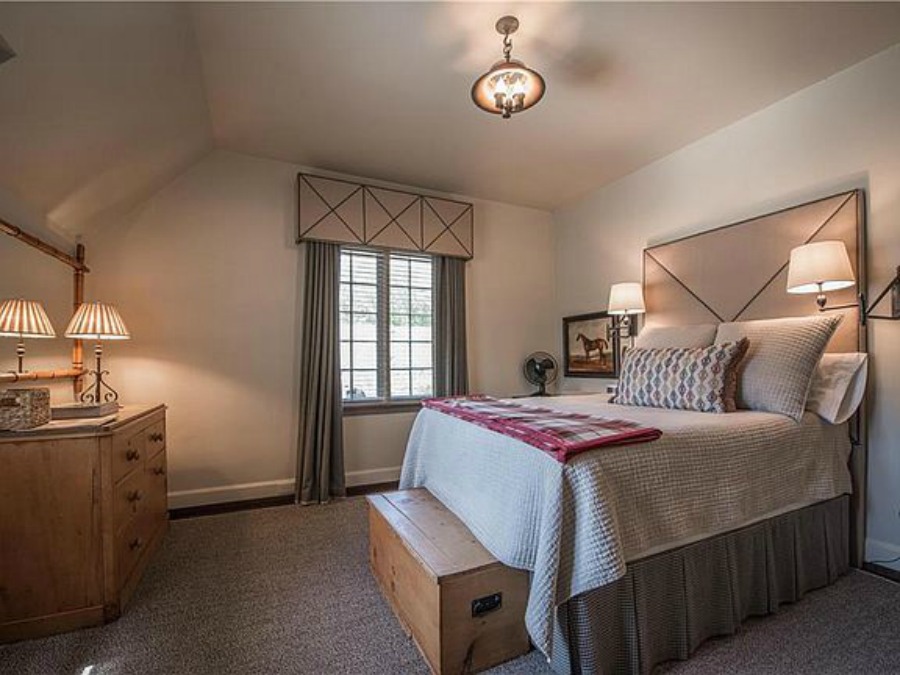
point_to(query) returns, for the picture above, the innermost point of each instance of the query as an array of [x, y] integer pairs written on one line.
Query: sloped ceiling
[[382, 89], [105, 103], [101, 105]]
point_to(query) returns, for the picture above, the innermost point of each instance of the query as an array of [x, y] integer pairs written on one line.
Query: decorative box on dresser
[[82, 509]]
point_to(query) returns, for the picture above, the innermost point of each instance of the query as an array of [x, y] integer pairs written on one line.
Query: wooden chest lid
[[432, 533]]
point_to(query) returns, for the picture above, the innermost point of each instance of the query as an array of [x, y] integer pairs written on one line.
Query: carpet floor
[[288, 590]]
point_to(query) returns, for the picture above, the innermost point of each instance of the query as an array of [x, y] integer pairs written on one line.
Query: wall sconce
[[625, 301], [24, 319], [96, 321], [824, 266]]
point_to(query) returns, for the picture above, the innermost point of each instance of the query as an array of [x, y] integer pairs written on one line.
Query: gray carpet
[[287, 590]]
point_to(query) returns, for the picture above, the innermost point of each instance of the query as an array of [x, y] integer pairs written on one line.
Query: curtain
[[451, 374], [320, 452]]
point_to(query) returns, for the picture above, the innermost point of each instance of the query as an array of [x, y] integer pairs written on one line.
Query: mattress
[[576, 525]]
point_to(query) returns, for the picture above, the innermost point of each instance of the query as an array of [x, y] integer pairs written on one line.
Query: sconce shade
[[626, 298], [24, 319], [96, 321], [819, 267]]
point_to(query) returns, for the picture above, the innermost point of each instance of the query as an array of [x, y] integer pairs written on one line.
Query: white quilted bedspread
[[576, 525]]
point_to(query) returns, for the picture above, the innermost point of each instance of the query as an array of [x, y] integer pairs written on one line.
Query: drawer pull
[[135, 496], [159, 471], [132, 455], [135, 544], [156, 437]]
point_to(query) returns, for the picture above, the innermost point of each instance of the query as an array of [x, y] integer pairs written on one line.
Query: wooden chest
[[463, 607], [82, 508]]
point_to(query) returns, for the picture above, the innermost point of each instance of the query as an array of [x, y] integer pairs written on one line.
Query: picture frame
[[591, 348]]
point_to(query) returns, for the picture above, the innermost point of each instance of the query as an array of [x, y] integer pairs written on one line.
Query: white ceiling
[[104, 103], [382, 89]]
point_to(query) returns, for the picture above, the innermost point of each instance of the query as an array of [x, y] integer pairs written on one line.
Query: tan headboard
[[739, 272]]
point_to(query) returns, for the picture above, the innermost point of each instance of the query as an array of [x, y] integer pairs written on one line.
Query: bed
[[639, 553]]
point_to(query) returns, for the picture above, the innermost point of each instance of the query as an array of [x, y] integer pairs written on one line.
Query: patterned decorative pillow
[[783, 355], [699, 378]]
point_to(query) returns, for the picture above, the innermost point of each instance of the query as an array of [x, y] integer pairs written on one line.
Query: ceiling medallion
[[509, 87]]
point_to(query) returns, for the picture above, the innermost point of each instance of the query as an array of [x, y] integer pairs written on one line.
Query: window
[[386, 305]]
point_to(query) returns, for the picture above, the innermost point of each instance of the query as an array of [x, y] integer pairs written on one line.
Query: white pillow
[[676, 337], [777, 371], [838, 386]]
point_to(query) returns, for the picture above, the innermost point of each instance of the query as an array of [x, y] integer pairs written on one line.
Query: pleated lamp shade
[[96, 321], [24, 319]]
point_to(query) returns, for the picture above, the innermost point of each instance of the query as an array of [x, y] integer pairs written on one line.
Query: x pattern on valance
[[354, 213]]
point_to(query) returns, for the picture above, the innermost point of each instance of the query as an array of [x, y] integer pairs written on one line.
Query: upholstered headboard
[[739, 272]]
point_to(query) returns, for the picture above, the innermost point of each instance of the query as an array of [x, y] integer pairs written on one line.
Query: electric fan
[[540, 369]]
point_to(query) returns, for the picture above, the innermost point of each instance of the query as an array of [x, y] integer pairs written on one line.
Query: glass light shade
[[819, 267], [626, 298], [24, 319], [507, 88], [96, 321]]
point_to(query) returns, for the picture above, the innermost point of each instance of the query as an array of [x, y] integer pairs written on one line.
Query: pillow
[[838, 386], [701, 378], [657, 337], [776, 374]]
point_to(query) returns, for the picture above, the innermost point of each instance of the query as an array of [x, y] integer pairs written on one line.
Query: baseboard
[[231, 493], [229, 507], [882, 571], [877, 552], [248, 492], [390, 474]]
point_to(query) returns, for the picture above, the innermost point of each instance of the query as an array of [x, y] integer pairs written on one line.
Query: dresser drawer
[[129, 499], [156, 482], [155, 438], [130, 545], [127, 452]]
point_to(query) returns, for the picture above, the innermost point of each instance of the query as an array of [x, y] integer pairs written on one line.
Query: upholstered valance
[[354, 213]]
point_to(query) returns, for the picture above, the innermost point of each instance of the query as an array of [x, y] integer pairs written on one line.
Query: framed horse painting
[[590, 346]]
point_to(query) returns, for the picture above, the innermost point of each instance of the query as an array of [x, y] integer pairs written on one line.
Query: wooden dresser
[[82, 509]]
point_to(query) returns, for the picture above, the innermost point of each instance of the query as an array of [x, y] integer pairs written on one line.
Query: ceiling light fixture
[[509, 86]]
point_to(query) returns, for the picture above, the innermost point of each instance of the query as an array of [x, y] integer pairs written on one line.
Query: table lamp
[[24, 319], [98, 321]]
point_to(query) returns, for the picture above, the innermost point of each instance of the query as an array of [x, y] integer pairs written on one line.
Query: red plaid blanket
[[560, 434]]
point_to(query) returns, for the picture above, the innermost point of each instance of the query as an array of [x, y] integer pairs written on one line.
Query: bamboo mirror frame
[[79, 269]]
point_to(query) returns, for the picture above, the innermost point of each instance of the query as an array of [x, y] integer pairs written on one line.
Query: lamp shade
[[819, 267], [24, 319], [626, 298], [97, 321]]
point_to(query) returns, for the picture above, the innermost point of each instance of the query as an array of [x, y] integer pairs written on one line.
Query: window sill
[[352, 409]]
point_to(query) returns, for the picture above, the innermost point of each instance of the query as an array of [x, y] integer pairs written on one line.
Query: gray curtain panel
[[451, 374], [320, 458]]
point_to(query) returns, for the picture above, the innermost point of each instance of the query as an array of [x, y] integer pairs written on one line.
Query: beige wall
[[28, 273], [838, 134], [208, 278]]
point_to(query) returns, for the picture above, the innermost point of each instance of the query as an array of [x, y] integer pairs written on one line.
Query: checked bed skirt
[[668, 604]]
